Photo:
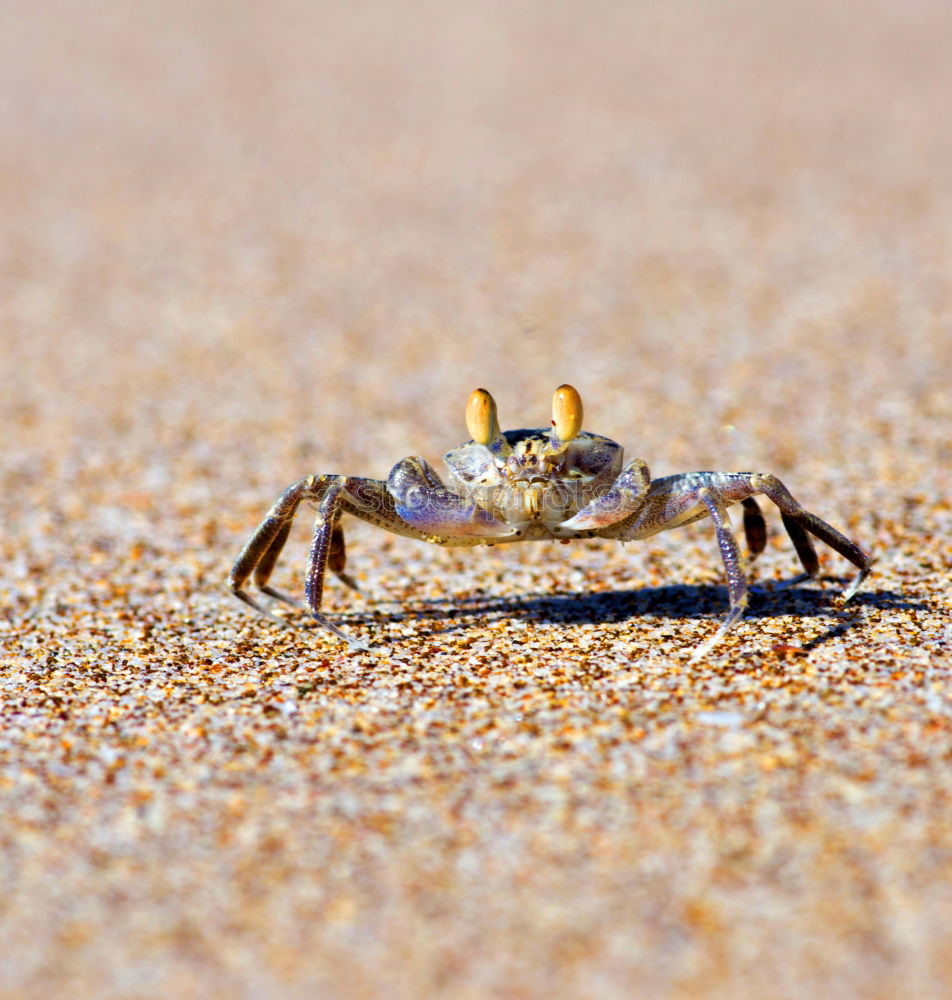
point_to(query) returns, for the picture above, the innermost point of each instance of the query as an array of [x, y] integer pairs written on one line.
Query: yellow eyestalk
[[481, 419], [566, 413]]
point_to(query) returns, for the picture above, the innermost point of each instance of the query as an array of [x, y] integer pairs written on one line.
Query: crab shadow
[[677, 601]]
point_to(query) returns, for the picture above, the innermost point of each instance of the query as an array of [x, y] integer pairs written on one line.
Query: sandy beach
[[246, 243]]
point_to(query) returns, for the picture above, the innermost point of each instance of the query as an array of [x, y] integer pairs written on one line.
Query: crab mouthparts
[[529, 497]]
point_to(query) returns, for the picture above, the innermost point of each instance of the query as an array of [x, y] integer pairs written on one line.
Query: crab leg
[[268, 559], [337, 558], [436, 513], [673, 501], [799, 521], [322, 550], [263, 548], [261, 553], [733, 563], [677, 500], [755, 527], [336, 561]]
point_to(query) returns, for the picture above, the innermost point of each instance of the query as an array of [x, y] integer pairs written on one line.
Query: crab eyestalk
[[566, 416], [481, 420]]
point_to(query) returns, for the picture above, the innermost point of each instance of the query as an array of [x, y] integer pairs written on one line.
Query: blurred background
[[335, 220]]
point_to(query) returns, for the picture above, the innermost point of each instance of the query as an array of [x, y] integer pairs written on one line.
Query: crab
[[554, 483]]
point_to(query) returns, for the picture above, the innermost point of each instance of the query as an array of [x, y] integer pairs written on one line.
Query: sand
[[245, 243]]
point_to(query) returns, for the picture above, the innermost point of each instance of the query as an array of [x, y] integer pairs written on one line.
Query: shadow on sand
[[672, 602]]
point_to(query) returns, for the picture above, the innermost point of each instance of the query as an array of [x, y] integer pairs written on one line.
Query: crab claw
[[626, 496], [421, 500]]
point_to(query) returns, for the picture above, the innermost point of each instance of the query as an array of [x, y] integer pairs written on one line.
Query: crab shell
[[531, 475]]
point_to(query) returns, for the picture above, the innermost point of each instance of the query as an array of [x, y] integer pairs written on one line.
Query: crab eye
[[566, 412], [481, 419]]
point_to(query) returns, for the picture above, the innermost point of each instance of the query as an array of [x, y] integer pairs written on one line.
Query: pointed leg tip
[[733, 617], [350, 582], [793, 581], [279, 595], [353, 645], [852, 589], [707, 646], [250, 602]]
